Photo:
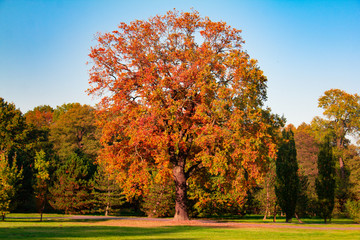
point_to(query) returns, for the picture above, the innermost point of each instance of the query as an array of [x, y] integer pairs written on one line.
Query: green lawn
[[85, 229]]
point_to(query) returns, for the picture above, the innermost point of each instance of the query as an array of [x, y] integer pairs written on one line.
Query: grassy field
[[98, 229]]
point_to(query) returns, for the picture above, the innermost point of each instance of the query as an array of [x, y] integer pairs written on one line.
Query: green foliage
[[14, 138], [160, 200], [74, 129], [266, 195], [12, 127], [72, 188], [325, 182], [287, 179], [108, 197], [9, 183], [353, 209], [41, 180]]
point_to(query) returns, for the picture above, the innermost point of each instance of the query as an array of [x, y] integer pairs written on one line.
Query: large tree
[[342, 111], [180, 96]]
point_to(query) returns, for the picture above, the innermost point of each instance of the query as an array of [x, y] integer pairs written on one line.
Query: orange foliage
[[178, 94]]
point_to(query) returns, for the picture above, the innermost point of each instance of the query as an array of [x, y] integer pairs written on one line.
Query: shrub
[[353, 209]]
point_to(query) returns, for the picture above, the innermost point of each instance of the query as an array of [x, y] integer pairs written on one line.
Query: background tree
[[41, 180], [72, 189], [179, 95], [160, 200], [14, 136], [108, 197], [74, 129], [306, 153], [10, 177], [343, 113], [325, 182], [266, 196], [287, 179]]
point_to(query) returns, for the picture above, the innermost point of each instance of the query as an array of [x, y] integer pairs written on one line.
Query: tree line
[[49, 163]]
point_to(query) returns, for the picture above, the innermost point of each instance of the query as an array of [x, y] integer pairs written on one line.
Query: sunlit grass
[[54, 226]]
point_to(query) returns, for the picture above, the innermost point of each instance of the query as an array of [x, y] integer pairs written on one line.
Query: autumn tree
[[287, 179], [180, 96], [307, 150], [342, 111], [325, 182], [40, 116], [74, 129]]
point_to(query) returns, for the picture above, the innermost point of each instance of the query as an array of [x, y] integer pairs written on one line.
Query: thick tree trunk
[[181, 212]]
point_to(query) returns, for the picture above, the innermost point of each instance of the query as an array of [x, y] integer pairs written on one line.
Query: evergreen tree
[[107, 194], [72, 188], [287, 179], [325, 182]]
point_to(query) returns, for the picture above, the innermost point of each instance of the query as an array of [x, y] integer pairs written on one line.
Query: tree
[[106, 192], [72, 188], [41, 181], [10, 177], [179, 95], [266, 195], [74, 129], [306, 153], [325, 182], [14, 136], [40, 117], [343, 113], [287, 179]]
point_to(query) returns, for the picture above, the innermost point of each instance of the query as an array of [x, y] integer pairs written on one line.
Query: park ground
[[27, 226]]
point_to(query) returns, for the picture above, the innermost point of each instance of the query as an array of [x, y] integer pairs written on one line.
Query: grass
[[61, 229]]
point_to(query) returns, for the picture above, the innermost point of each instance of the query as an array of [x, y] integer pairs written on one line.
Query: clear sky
[[303, 47]]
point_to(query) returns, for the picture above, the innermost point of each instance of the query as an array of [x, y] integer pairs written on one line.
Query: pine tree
[[107, 194], [72, 189], [287, 179], [325, 182]]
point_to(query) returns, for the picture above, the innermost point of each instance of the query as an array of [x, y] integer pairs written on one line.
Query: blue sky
[[303, 47]]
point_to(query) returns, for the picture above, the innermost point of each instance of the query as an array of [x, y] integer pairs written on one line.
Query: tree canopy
[[179, 95]]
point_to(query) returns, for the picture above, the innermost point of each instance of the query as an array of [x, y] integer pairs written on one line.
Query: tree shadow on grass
[[93, 232]]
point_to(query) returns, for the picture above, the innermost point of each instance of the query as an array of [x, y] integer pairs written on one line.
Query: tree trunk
[[181, 212], [274, 219], [297, 217], [267, 201]]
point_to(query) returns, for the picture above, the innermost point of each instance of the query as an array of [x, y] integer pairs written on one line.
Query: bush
[[353, 209]]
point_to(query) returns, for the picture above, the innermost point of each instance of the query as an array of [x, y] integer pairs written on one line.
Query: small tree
[[72, 189], [9, 177], [325, 182], [287, 179], [107, 193], [41, 181]]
